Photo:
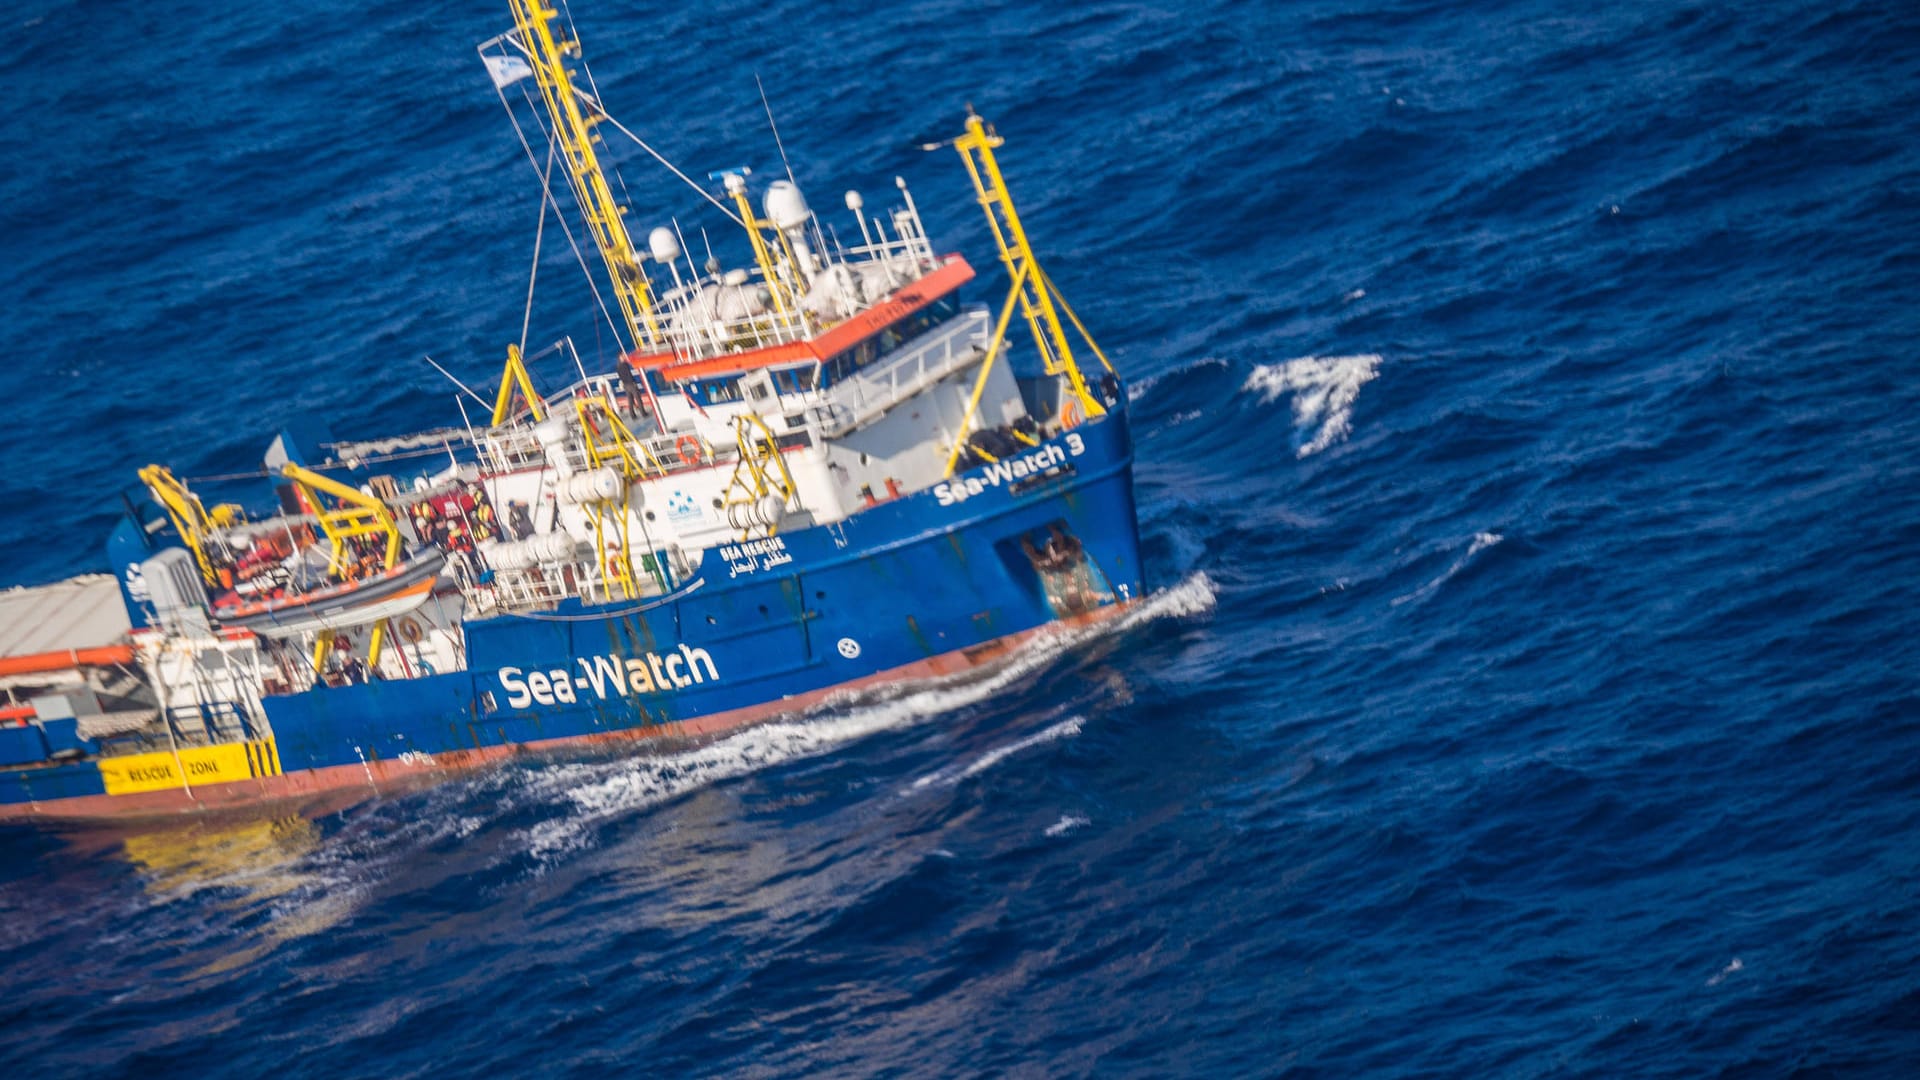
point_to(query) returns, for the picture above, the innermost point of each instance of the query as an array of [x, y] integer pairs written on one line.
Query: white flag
[[506, 70]]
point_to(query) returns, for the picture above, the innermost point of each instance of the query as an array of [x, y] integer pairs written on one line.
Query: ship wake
[[591, 793]]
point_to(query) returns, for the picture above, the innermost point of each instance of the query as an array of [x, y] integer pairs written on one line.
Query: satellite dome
[[663, 244], [786, 207]]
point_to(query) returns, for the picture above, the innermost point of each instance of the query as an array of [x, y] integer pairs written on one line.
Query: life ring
[[688, 448], [1071, 414], [410, 631]]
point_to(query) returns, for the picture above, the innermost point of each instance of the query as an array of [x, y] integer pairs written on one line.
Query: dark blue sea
[[1529, 468]]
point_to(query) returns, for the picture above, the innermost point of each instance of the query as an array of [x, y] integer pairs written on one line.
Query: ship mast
[[572, 130], [1036, 293]]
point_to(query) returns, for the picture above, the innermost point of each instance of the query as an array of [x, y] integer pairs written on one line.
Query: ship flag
[[507, 70]]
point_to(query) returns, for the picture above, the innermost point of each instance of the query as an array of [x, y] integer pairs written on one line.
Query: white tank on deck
[[552, 431], [741, 301], [556, 546], [503, 554], [836, 293], [550, 547], [594, 485]]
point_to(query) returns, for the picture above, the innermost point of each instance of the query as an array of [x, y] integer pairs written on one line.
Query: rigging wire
[[657, 156], [775, 128], [539, 232], [546, 189], [469, 390]]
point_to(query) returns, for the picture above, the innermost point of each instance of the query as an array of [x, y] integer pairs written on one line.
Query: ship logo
[[610, 675], [1041, 462], [681, 505]]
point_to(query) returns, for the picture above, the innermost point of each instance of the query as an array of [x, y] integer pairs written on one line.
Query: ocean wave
[[1324, 389], [1481, 542], [1065, 729], [1137, 388]]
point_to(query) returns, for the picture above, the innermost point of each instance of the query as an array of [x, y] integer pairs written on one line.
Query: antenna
[[776, 130], [454, 381]]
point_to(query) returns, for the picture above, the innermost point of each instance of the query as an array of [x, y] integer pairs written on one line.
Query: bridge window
[[716, 391], [796, 380], [891, 337]]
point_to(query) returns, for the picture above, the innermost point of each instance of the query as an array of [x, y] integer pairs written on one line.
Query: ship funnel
[[663, 245]]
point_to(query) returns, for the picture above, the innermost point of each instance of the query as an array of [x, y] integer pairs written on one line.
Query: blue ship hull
[[917, 586]]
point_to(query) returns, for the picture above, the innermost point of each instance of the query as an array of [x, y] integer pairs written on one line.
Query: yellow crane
[[515, 377], [191, 519], [353, 515]]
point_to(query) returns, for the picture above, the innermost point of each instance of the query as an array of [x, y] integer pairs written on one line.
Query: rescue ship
[[815, 470]]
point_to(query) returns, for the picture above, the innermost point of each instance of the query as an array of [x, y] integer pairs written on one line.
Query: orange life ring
[[688, 448], [409, 628], [1070, 414]]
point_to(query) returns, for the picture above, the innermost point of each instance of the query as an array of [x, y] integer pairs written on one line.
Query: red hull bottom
[[337, 787]]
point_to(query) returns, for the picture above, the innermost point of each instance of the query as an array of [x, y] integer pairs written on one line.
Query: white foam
[[1323, 389], [1066, 824], [1481, 542], [1736, 965], [1065, 729], [601, 790]]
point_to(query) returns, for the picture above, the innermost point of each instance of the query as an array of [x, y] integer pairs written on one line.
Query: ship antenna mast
[[573, 131]]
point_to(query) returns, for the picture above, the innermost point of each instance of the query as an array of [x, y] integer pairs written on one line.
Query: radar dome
[[664, 246], [786, 207]]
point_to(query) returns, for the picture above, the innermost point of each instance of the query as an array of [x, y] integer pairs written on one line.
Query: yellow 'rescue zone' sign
[[193, 765]]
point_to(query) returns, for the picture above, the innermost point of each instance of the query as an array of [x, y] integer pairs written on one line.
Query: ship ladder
[[610, 523], [609, 441], [760, 488]]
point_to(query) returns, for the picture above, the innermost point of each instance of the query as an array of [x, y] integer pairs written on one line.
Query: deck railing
[[870, 392]]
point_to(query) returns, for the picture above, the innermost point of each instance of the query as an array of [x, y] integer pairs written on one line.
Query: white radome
[[663, 245], [785, 206]]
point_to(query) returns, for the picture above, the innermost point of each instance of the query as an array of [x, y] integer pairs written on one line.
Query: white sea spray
[[1324, 389]]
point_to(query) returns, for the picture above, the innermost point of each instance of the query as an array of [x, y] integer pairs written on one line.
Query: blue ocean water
[[1527, 427]]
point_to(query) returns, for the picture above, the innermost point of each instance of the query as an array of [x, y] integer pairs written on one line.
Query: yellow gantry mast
[[783, 304], [515, 377], [1031, 289], [572, 130]]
